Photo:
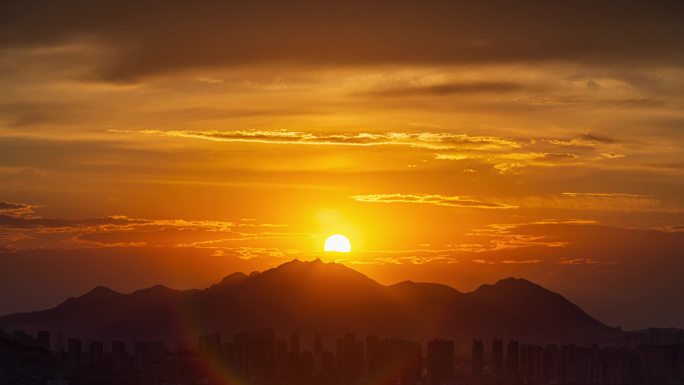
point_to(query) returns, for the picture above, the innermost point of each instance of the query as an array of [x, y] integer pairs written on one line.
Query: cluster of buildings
[[571, 364], [261, 358]]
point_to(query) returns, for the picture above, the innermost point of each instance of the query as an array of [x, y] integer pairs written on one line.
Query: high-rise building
[[96, 353], [513, 361], [118, 356], [44, 339], [349, 359], [373, 355], [536, 356], [141, 356], [440, 361], [22, 337], [327, 367], [497, 358], [550, 365], [567, 364], [595, 365], [477, 362], [256, 356], [281, 360], [74, 353], [305, 368]]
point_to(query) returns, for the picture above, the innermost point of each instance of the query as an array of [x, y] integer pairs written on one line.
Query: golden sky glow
[[460, 147]]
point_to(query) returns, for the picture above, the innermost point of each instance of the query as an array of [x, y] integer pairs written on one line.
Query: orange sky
[[160, 142]]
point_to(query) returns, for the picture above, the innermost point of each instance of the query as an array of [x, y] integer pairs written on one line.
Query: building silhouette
[[44, 339], [512, 362], [477, 361], [497, 359], [440, 362], [74, 352], [119, 356]]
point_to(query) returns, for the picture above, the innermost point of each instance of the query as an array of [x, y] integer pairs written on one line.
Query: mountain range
[[328, 298]]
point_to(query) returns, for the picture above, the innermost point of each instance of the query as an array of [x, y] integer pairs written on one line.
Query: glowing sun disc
[[337, 243]]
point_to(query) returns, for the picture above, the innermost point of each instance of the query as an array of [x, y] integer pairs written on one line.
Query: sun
[[337, 243]]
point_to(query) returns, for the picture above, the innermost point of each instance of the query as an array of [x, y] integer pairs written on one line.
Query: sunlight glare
[[337, 243]]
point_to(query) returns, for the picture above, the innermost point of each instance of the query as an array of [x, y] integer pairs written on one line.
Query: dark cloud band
[[153, 36]]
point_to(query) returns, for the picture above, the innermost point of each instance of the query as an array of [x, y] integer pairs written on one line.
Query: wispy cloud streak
[[429, 140], [22, 228], [432, 199]]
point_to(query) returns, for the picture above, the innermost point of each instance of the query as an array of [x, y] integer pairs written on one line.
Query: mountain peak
[[314, 273], [156, 289], [297, 263], [318, 265], [100, 291], [515, 281], [517, 295], [232, 278], [509, 283], [96, 295], [230, 281]]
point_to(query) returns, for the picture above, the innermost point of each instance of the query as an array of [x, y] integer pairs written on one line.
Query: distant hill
[[323, 297]]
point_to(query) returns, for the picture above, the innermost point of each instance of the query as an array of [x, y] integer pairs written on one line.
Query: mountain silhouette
[[314, 296]]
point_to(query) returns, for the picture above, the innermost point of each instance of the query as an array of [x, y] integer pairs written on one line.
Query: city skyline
[[173, 143], [266, 357]]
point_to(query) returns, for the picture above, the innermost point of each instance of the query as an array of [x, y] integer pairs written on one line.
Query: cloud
[[612, 155], [23, 229], [14, 210], [578, 151], [512, 236], [429, 140], [605, 195], [589, 137], [138, 40], [595, 201], [445, 89], [249, 253], [433, 199], [616, 202], [512, 162], [521, 261], [504, 155], [25, 114], [379, 258], [582, 141], [519, 156], [498, 153], [508, 168], [567, 201], [674, 229], [23, 222], [577, 261], [483, 262]]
